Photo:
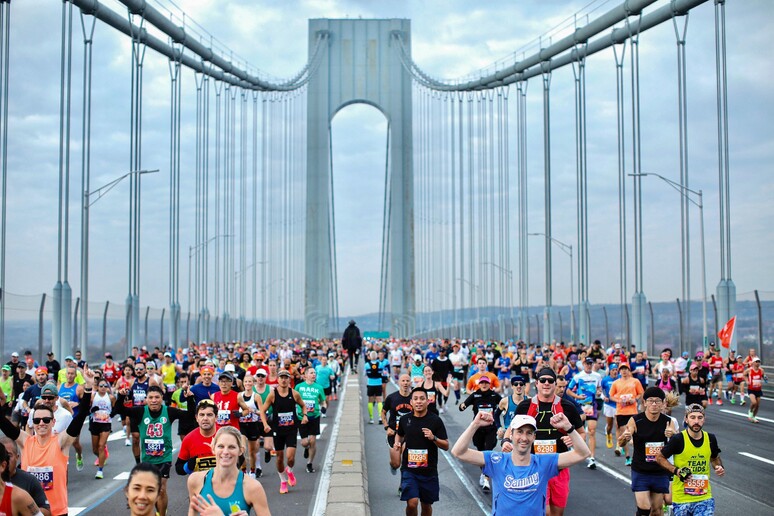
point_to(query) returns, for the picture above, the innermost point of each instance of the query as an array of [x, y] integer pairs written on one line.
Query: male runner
[[649, 431], [397, 405], [195, 450], [626, 391], [417, 440], [609, 406], [205, 388], [507, 405], [373, 372], [486, 400], [314, 398], [442, 372], [755, 378], [481, 370], [716, 377], [695, 453], [227, 401], [20, 478], [138, 392], [543, 406], [588, 383]]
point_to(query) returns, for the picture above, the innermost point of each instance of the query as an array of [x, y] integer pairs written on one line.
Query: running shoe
[[306, 452], [79, 462], [618, 451], [291, 478], [128, 442], [378, 421], [733, 401], [755, 419], [309, 468], [324, 415], [371, 421], [609, 440], [486, 487], [283, 487], [591, 463], [741, 403], [719, 402], [99, 474], [628, 461], [258, 472], [481, 480]]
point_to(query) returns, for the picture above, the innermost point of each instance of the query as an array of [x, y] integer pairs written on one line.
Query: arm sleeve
[[9, 429], [674, 446], [468, 400], [714, 449], [74, 429]]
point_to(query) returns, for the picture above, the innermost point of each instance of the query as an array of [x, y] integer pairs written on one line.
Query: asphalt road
[[746, 488]]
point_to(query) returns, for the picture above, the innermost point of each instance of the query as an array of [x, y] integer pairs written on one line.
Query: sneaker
[[267, 456], [618, 451], [486, 487], [719, 402], [99, 474], [309, 468], [371, 421], [591, 463], [733, 401], [324, 416], [628, 461], [755, 419], [306, 452], [481, 480], [291, 479], [741, 403], [258, 472], [128, 442], [283, 487], [378, 421], [609, 440], [79, 462], [393, 471]]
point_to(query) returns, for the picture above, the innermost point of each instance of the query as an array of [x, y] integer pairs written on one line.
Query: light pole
[[685, 191], [509, 297], [87, 204], [567, 248]]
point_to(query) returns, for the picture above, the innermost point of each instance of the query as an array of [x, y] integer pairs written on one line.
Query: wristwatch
[[386, 427], [435, 438]]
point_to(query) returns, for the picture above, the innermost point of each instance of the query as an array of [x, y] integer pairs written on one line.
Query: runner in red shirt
[[195, 451], [755, 379], [227, 402], [110, 371]]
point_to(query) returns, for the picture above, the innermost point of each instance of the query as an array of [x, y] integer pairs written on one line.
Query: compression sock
[[370, 410], [136, 459], [379, 407], [283, 476], [457, 394]]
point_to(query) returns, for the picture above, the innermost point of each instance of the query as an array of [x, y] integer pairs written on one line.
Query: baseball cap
[[108, 355], [522, 419], [484, 379], [284, 372], [50, 353], [417, 357], [69, 357], [624, 365], [589, 360], [229, 368], [756, 359], [41, 369], [49, 390], [6, 367], [15, 354], [685, 354], [617, 345], [694, 407], [168, 354], [226, 374], [261, 372]]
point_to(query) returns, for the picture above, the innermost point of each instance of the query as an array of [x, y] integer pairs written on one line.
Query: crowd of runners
[[240, 407]]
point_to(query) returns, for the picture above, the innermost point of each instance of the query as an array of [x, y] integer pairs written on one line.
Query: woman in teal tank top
[[226, 486]]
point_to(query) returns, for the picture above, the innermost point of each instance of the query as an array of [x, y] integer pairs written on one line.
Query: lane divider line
[[321, 498], [745, 415], [613, 473], [767, 461]]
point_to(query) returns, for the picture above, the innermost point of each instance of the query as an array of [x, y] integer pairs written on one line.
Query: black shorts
[[252, 430], [312, 427], [99, 428], [163, 468], [284, 440], [458, 375], [621, 421], [385, 380], [485, 439], [373, 390], [757, 394], [391, 440], [327, 390]]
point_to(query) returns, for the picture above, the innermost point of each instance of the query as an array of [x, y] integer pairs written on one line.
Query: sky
[[450, 39]]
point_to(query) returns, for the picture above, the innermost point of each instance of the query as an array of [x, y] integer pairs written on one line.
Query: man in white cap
[[520, 479]]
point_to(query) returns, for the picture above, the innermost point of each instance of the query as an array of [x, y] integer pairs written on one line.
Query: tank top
[[139, 392], [648, 441], [510, 412], [284, 407], [227, 404], [263, 395], [49, 465], [252, 417], [7, 387], [6, 507], [432, 394], [103, 405], [156, 437], [697, 458], [756, 380], [70, 394], [234, 502]]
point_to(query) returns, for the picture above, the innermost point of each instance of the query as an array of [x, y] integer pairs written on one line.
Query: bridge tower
[[359, 67]]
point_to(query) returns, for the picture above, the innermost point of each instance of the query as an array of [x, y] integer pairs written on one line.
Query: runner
[[195, 449], [397, 405], [373, 372], [695, 454], [716, 377], [737, 377], [267, 441], [325, 376], [626, 391], [314, 399], [203, 387], [507, 405], [520, 481], [442, 373], [249, 425], [695, 386], [125, 382], [609, 406], [485, 438], [384, 365], [417, 370], [433, 388], [70, 393], [137, 393], [648, 431], [242, 493], [227, 402], [20, 478], [543, 406], [458, 361], [481, 370], [418, 438], [588, 383], [185, 425], [14, 501], [45, 453], [283, 401], [154, 423], [755, 379], [396, 359], [99, 424]]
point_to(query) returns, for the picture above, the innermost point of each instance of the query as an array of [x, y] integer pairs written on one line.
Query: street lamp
[[87, 204], [567, 248], [685, 191]]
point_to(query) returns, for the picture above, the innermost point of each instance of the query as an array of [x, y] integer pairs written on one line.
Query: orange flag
[[727, 333]]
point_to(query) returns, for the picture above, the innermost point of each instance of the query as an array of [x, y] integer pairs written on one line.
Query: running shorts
[[285, 440], [621, 421], [328, 390], [609, 411], [373, 390], [485, 439], [312, 427], [163, 468], [655, 483], [702, 508], [99, 428], [757, 394], [559, 489], [426, 488], [458, 375], [252, 430]]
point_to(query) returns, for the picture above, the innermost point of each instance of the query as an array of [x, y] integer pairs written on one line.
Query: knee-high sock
[[371, 410]]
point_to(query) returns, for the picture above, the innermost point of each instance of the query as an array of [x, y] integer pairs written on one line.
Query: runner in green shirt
[[313, 396]]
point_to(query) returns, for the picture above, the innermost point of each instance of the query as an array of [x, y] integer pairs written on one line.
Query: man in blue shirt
[[520, 478], [609, 406]]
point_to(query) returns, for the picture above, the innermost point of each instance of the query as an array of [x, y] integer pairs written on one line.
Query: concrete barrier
[[348, 488]]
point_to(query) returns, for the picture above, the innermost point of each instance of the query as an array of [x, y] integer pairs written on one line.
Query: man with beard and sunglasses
[[137, 393], [549, 439]]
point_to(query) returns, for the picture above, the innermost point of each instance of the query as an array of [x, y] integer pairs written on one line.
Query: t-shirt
[[313, 397], [420, 455], [587, 384], [324, 374], [31, 484], [196, 445], [201, 392], [626, 389], [607, 382], [396, 406], [519, 489]]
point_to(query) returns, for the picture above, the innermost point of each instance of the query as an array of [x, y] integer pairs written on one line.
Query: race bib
[[545, 446], [697, 485], [154, 447], [756, 383], [651, 450], [101, 416], [310, 405], [431, 397], [588, 410], [45, 474], [284, 419], [417, 458], [224, 416], [139, 397], [486, 410]]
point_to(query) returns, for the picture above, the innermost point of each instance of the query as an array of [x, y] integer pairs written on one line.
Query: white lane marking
[[115, 436], [75, 511], [465, 482], [321, 499], [767, 399], [745, 415], [767, 461], [613, 473], [122, 476], [460, 474]]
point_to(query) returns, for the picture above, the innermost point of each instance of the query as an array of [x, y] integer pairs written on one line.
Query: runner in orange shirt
[[625, 392], [481, 364]]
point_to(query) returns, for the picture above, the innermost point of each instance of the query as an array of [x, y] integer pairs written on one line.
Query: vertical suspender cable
[[461, 208], [254, 210], [621, 127], [5, 27], [547, 315], [453, 209], [218, 232], [475, 300]]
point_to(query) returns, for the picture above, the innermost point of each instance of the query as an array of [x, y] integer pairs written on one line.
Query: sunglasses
[[518, 384], [207, 402], [104, 385], [44, 420], [546, 380]]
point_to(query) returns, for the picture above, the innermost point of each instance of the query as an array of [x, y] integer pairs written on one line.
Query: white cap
[[230, 368], [417, 357], [15, 354], [521, 420], [756, 359]]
